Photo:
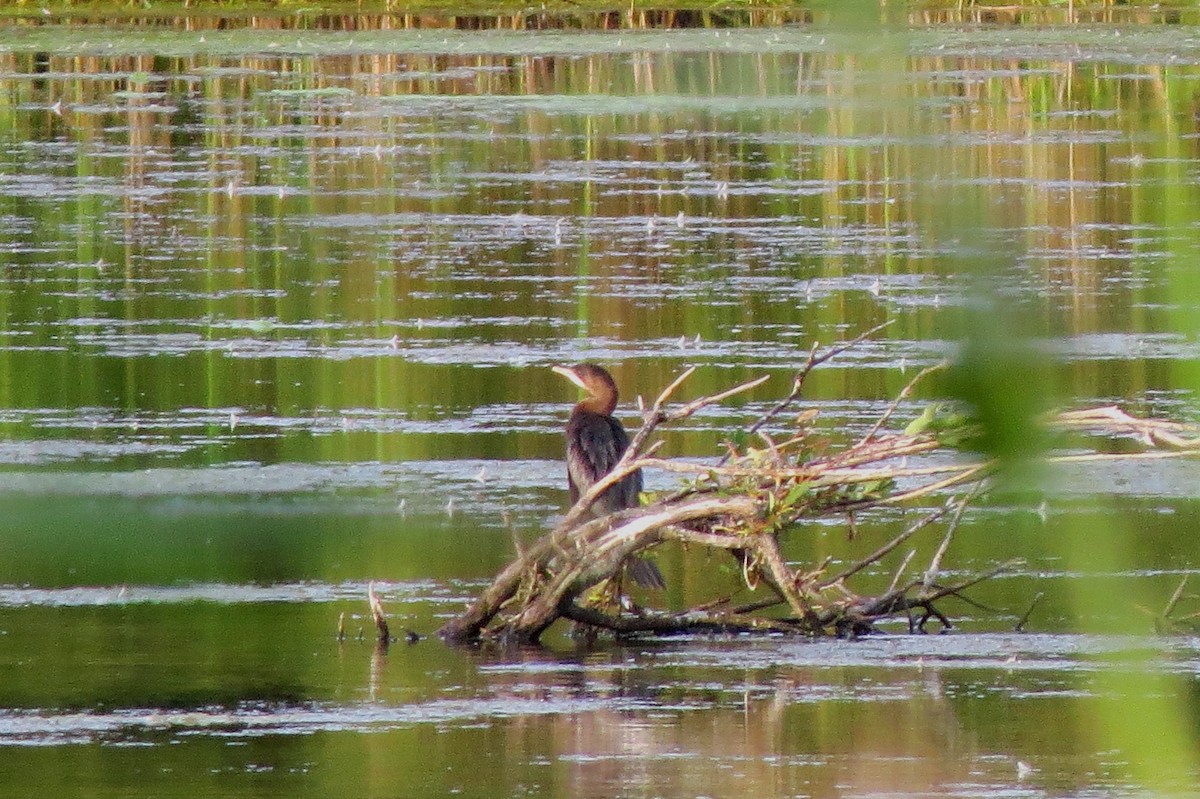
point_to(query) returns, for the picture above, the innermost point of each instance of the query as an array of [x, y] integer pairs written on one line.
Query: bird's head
[[593, 379]]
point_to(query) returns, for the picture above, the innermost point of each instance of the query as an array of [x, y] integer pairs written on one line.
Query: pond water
[[278, 302]]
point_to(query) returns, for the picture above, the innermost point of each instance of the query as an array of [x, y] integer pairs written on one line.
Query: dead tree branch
[[751, 500]]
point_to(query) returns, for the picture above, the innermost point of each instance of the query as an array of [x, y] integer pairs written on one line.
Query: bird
[[595, 442]]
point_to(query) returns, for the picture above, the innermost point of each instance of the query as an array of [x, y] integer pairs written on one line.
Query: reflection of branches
[[744, 504]]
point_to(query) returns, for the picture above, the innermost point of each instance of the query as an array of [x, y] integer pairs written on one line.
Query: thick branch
[[632, 530], [589, 554], [677, 624], [780, 577]]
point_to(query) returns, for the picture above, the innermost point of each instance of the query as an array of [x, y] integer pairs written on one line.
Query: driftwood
[[744, 503]]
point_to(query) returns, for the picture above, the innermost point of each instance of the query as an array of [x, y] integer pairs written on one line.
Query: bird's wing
[[594, 446]]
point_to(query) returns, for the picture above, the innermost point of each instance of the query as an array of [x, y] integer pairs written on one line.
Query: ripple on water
[[668, 679], [253, 719], [219, 593]]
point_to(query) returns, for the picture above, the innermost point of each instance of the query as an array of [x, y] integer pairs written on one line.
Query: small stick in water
[[377, 613], [1020, 628], [1175, 597]]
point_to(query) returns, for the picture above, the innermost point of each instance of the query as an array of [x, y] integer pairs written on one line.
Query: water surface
[[276, 314]]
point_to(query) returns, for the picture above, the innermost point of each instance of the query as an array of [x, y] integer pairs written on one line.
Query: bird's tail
[[645, 573]]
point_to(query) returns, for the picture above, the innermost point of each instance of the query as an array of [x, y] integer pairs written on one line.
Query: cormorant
[[595, 442]]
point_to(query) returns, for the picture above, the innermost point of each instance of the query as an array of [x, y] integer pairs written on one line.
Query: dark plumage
[[595, 442]]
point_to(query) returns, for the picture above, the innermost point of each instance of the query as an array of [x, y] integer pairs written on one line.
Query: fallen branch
[[748, 501], [1110, 420]]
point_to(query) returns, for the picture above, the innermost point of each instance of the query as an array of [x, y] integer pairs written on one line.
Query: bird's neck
[[603, 404]]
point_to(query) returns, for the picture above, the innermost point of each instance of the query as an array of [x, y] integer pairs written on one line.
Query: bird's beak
[[569, 373]]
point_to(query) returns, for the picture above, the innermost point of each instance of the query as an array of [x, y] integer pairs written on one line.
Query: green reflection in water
[[222, 254], [59, 542]]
